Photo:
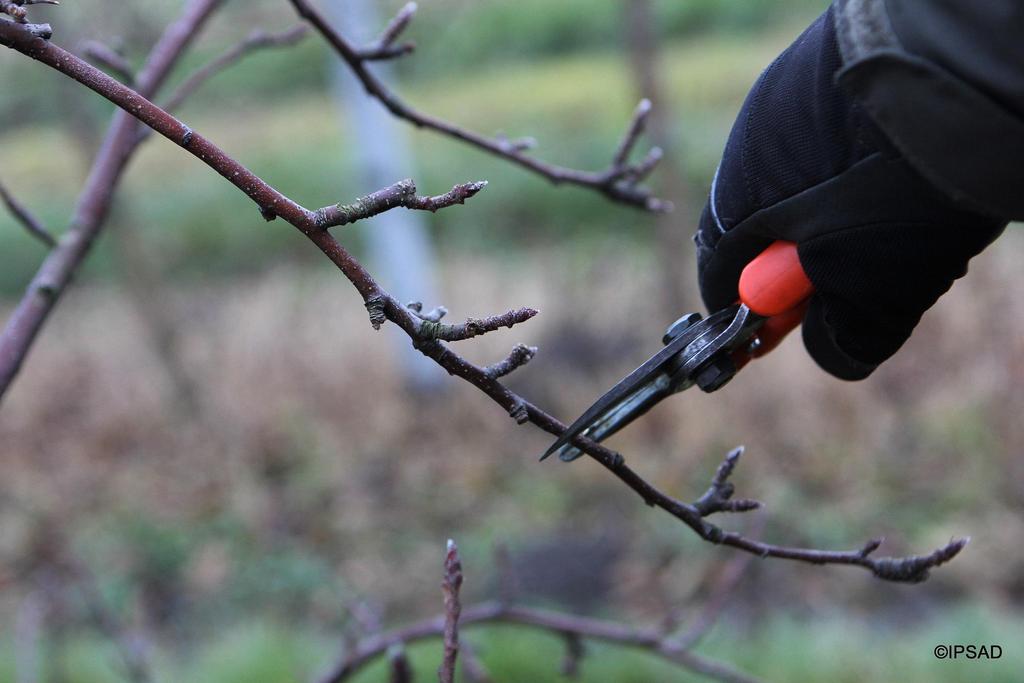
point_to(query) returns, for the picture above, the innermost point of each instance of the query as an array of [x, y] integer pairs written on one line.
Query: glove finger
[[873, 283]]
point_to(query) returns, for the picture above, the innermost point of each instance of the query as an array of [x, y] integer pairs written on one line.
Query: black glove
[[804, 163]]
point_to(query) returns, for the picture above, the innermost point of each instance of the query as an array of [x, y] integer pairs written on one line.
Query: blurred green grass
[[838, 649]]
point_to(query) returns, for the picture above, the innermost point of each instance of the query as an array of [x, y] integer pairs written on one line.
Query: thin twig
[[615, 182], [14, 9], [473, 327], [574, 652], [433, 315], [93, 204], [133, 656], [521, 355], [718, 497], [385, 48], [382, 305], [726, 579], [110, 59], [450, 587], [402, 193], [257, 40], [398, 663], [473, 669], [633, 132], [32, 224]]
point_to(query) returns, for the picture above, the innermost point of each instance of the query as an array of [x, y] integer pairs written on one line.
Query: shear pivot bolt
[[715, 374], [680, 326]]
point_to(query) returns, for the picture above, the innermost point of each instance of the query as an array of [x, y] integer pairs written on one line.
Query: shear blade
[[621, 414], [637, 382]]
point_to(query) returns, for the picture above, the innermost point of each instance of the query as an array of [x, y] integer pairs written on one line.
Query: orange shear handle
[[774, 285]]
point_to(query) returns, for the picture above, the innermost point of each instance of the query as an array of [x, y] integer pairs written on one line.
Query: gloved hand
[[805, 163]]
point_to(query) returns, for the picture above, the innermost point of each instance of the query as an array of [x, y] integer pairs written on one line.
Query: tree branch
[[718, 497], [401, 670], [257, 40], [450, 587], [27, 220], [494, 612], [93, 203], [521, 355], [616, 182], [382, 306], [473, 327], [110, 59], [402, 193], [385, 48], [574, 629], [473, 670]]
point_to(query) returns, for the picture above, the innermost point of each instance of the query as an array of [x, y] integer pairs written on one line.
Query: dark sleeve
[[944, 79]]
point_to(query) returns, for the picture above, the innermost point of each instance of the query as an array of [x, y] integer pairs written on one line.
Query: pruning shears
[[704, 352]]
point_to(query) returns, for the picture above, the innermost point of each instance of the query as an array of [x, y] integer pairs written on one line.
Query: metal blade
[[634, 383], [622, 414]]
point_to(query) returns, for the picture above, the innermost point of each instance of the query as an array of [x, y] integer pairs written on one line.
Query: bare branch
[[13, 10], [520, 356], [401, 670], [110, 59], [383, 306], [402, 193], [574, 651], [650, 640], [517, 145], [726, 579], [451, 586], [572, 628], [257, 40], [614, 182], [473, 669], [718, 497], [636, 128], [433, 315], [474, 327], [133, 656], [27, 220], [94, 201], [385, 48], [643, 168]]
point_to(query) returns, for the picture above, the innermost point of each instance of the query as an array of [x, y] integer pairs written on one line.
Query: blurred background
[[211, 449]]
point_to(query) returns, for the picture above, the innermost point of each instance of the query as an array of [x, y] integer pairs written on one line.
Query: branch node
[[519, 412], [44, 31], [871, 546], [521, 355], [375, 308], [718, 497], [515, 145], [433, 315], [384, 47]]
